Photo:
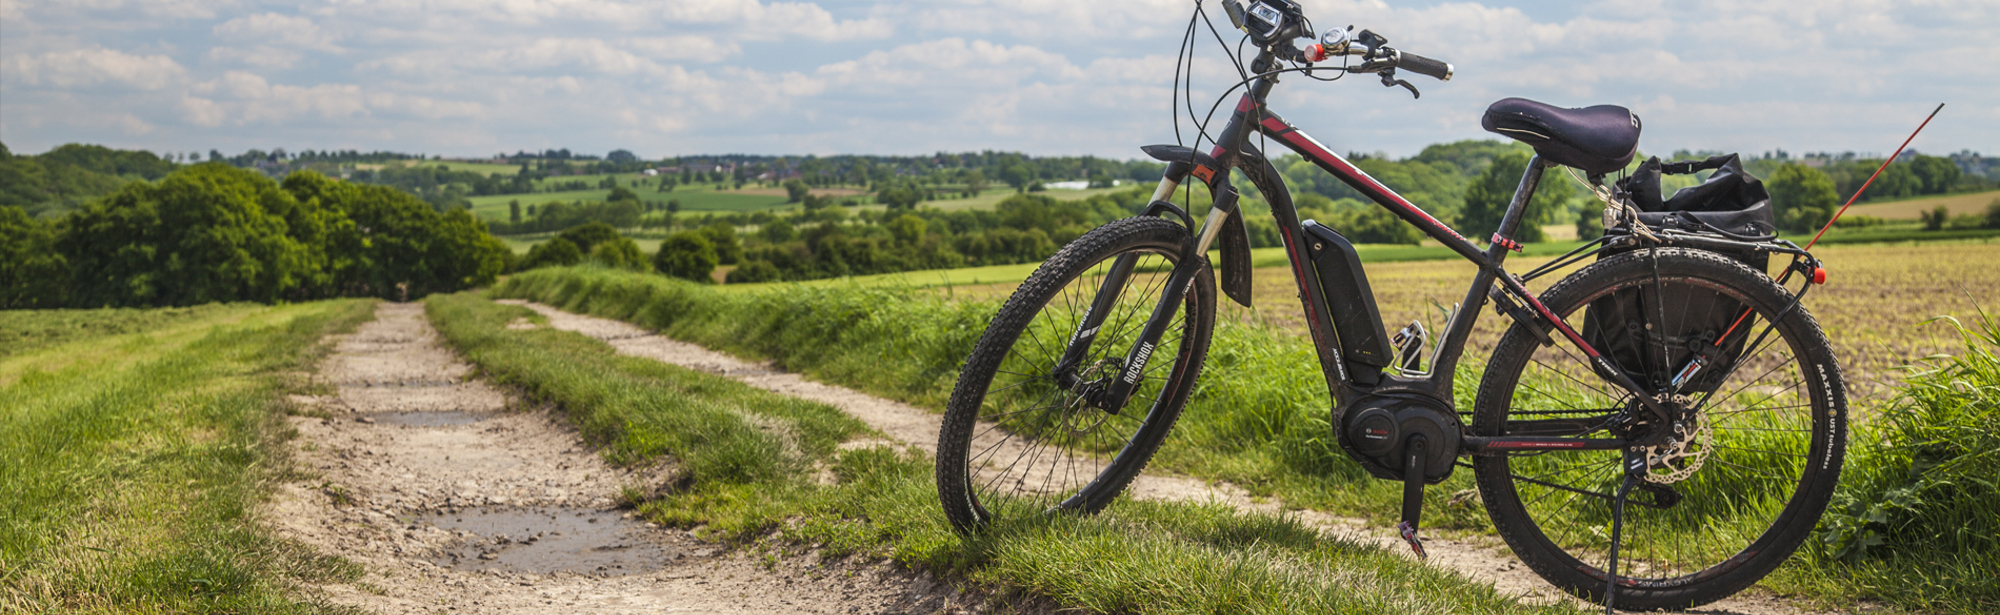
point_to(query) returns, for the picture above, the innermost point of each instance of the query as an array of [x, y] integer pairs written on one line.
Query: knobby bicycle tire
[[988, 432], [1767, 465]]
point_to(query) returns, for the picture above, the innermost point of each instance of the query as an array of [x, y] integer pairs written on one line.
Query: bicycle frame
[[1233, 151]]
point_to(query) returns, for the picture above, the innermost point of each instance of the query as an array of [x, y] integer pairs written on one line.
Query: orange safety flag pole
[[1871, 178]]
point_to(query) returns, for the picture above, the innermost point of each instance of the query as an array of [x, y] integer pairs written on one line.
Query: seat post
[[1511, 221]]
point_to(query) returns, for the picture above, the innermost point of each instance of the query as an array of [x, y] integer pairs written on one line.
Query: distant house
[[650, 172]]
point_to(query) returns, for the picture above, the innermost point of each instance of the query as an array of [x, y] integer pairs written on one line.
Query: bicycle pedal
[[1409, 342], [1409, 533]]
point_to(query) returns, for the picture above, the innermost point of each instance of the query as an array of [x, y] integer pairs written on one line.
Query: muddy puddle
[[551, 540], [430, 419]]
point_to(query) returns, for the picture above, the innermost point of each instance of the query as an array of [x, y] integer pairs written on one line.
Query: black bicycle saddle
[[1598, 139]]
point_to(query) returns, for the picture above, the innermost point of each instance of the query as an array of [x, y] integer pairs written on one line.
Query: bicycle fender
[[1235, 242], [1233, 238], [1184, 161]]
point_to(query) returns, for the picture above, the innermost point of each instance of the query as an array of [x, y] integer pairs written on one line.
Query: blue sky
[[473, 77]]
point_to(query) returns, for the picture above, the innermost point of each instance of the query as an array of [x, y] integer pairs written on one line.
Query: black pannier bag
[[1730, 204]]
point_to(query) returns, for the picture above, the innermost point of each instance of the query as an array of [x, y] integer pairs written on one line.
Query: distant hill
[[66, 177]]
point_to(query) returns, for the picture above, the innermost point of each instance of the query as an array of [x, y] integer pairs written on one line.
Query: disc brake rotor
[[1683, 453]]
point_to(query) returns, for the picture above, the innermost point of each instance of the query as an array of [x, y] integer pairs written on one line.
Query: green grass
[[697, 199], [494, 207], [993, 196], [135, 456], [744, 463], [23, 331], [482, 168], [1250, 421], [1259, 258]]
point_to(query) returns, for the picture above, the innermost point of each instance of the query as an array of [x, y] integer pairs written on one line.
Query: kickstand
[[1413, 495], [1617, 526]]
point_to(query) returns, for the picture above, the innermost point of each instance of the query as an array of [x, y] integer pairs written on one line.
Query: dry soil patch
[[455, 503]]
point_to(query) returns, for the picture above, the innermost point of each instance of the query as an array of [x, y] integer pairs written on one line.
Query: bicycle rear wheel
[[1016, 440], [1742, 485]]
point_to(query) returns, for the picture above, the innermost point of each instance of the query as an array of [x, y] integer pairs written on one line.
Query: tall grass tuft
[[1923, 490]]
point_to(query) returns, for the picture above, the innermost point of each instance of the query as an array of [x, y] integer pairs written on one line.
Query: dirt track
[[415, 473], [1479, 558]]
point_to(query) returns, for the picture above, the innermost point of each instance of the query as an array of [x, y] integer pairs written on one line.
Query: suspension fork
[[1113, 397]]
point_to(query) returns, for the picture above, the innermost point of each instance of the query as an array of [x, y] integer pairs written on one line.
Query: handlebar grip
[[1422, 65]]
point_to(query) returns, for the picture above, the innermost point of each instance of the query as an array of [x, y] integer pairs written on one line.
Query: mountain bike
[[1660, 428]]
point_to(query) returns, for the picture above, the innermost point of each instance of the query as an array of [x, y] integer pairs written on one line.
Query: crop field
[[1958, 204], [1873, 307], [481, 168]]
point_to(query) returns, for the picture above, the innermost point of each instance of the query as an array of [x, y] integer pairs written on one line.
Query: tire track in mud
[[454, 501], [1479, 558]]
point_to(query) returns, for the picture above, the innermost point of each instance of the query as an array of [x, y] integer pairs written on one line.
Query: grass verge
[[1919, 519], [136, 445], [745, 463]]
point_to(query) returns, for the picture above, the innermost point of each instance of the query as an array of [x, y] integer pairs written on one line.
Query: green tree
[[202, 235], [588, 235], [795, 190], [777, 231], [1803, 196], [1377, 225], [32, 273], [1993, 214], [1937, 174], [514, 211], [621, 193], [393, 245], [556, 252], [1935, 219], [753, 272], [1487, 198], [908, 229], [975, 182], [722, 238], [620, 253], [899, 193], [687, 255], [1589, 223], [1018, 175]]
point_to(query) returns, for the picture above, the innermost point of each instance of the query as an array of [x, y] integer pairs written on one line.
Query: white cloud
[[1047, 76], [95, 66], [276, 30]]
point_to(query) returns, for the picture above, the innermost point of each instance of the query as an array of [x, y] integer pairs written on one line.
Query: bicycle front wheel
[[1021, 438], [1752, 461]]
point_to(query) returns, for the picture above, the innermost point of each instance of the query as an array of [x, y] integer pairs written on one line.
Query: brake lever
[[1389, 80]]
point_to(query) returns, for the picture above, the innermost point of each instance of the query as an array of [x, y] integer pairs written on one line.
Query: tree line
[[211, 232]]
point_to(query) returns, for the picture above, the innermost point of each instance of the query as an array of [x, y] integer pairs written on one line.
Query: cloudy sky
[[661, 78]]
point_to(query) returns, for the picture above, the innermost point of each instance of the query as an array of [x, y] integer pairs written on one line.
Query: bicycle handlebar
[[1423, 66]]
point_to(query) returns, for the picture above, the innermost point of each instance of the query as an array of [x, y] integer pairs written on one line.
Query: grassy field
[[481, 168], [1260, 427], [1959, 204], [136, 446], [494, 207], [748, 459], [992, 196]]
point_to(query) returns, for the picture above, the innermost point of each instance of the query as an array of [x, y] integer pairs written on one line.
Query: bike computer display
[[1264, 20]]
